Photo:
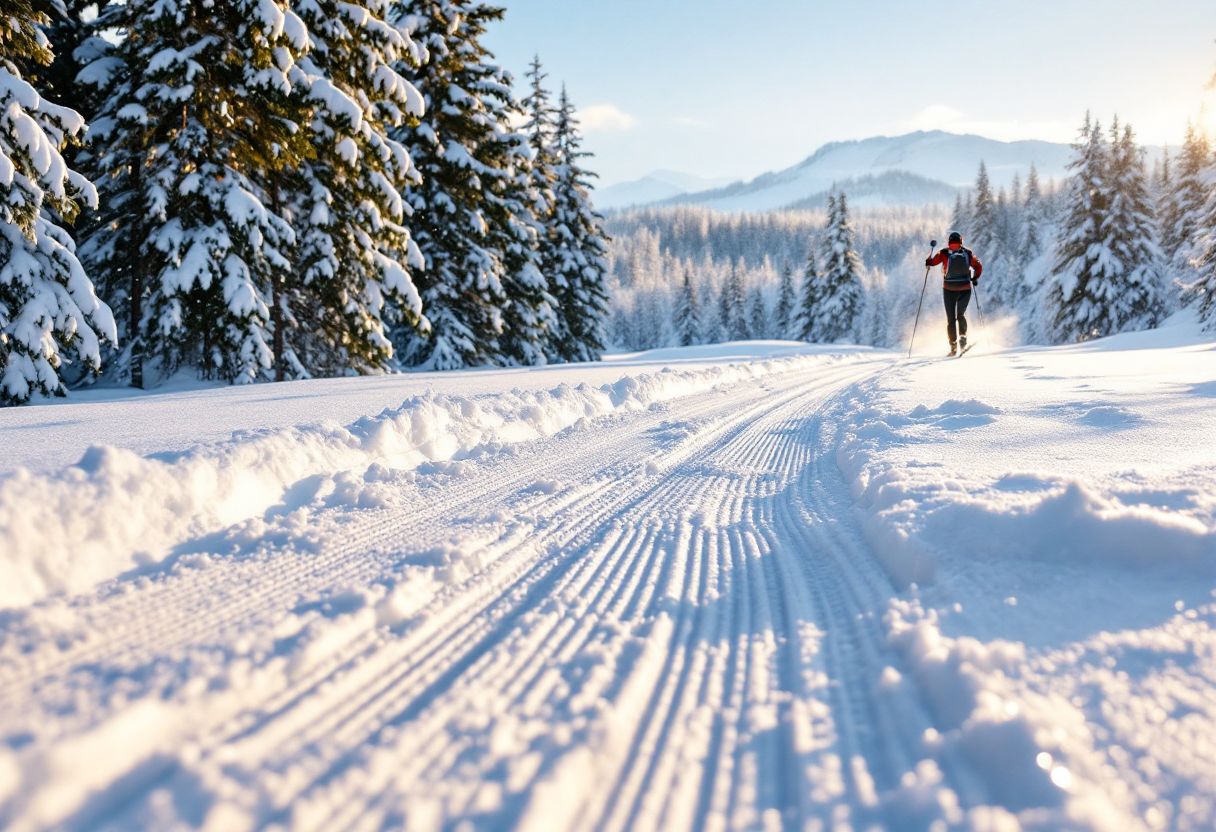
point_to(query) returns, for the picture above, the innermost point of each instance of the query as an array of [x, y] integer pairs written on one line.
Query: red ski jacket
[[939, 259]]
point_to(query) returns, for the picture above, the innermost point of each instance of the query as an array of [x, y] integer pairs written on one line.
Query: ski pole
[[932, 247], [976, 291]]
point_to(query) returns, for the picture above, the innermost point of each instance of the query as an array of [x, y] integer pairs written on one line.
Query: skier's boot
[[954, 347], [962, 343]]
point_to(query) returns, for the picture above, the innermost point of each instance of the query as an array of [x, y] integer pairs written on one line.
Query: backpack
[[958, 266]]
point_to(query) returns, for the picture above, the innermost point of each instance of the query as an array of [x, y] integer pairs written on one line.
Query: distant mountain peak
[[912, 169]]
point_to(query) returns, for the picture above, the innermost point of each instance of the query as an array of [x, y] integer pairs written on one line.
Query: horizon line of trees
[[279, 189]]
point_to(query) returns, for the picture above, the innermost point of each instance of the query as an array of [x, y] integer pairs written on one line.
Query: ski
[[963, 351]]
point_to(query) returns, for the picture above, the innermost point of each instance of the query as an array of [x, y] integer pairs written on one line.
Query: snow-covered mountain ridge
[[933, 163]]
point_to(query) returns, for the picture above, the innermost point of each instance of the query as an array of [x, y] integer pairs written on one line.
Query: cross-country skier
[[961, 270]]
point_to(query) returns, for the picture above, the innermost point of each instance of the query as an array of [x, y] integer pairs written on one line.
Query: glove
[[975, 281], [928, 262]]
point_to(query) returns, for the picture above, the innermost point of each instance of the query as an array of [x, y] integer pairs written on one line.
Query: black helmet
[[955, 237]]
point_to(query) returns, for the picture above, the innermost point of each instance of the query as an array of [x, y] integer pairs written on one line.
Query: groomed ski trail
[[662, 620]]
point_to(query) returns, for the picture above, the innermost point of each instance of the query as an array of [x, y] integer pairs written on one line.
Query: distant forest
[[1114, 247]]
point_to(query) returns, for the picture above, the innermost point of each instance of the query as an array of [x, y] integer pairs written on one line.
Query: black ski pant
[[956, 312]]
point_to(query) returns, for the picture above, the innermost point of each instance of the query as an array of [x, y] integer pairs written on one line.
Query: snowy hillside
[[748, 586], [658, 186], [945, 160]]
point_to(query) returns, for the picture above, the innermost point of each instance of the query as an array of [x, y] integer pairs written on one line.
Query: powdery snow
[[741, 587]]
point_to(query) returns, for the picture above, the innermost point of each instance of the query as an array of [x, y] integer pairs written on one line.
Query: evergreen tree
[[49, 312], [713, 329], [688, 313], [758, 325], [787, 300], [734, 305], [1183, 206], [960, 217], [540, 130], [1003, 264], [1036, 218], [1104, 279], [540, 127], [832, 304], [724, 309], [578, 247], [463, 214], [1162, 176], [355, 250], [983, 234], [194, 119], [804, 321], [1203, 253]]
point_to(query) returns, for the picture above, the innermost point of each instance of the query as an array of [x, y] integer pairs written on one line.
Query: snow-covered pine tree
[[687, 313], [805, 318], [1161, 178], [874, 322], [834, 301], [984, 237], [1004, 265], [758, 321], [961, 216], [355, 250], [734, 304], [982, 233], [460, 149], [1071, 314], [49, 312], [1203, 253], [713, 328], [528, 316], [787, 301], [578, 271], [1013, 220], [1104, 280], [195, 119], [956, 215], [540, 130], [1036, 218], [1183, 204], [478, 215], [539, 127], [1035, 228], [1133, 233]]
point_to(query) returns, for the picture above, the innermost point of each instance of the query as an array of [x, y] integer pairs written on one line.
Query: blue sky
[[734, 89]]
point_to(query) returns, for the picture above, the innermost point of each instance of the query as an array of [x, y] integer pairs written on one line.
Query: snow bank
[[1033, 755], [115, 510], [953, 482]]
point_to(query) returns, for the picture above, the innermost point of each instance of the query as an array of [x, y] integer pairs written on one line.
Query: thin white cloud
[[685, 121], [605, 118], [951, 120]]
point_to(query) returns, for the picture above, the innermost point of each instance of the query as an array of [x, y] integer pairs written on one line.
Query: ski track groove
[[632, 587], [748, 602], [419, 701], [636, 575]]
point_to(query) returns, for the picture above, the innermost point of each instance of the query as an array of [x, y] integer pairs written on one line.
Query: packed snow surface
[[753, 586]]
